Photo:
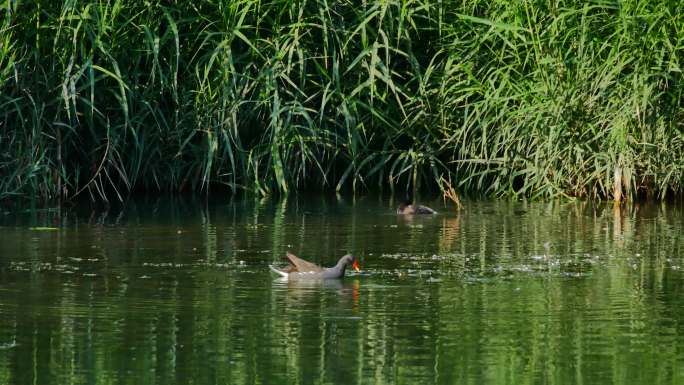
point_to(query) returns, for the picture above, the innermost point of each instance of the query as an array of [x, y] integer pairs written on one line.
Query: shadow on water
[[175, 291]]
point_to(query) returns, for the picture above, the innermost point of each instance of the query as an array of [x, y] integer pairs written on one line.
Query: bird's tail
[[282, 274]]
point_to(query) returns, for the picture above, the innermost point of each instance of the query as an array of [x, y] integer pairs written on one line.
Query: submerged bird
[[301, 269], [409, 208]]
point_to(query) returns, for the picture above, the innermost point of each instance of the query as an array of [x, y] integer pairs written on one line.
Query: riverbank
[[503, 99]]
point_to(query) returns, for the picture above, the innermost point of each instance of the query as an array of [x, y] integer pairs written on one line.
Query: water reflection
[[179, 292]]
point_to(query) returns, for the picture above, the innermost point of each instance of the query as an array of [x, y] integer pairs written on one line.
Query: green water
[[179, 292]]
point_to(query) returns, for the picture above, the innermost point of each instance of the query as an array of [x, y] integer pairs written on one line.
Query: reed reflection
[[182, 294]]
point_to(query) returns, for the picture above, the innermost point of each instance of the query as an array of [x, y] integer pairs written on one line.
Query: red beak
[[355, 265]]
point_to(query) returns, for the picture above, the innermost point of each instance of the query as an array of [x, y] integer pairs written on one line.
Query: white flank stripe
[[282, 274]]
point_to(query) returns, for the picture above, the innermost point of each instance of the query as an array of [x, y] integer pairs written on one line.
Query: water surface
[[174, 291]]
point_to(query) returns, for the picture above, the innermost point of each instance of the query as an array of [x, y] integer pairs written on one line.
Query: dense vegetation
[[540, 99]]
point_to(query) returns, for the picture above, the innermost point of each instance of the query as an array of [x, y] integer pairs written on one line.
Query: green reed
[[563, 98]]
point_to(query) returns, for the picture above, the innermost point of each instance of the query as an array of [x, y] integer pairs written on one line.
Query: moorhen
[[409, 208], [301, 269]]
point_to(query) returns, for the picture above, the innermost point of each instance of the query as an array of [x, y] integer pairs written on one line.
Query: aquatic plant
[[556, 98]]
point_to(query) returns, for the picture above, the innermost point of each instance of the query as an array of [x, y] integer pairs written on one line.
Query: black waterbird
[[301, 269]]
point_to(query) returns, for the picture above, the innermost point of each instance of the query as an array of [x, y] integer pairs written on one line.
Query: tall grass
[[552, 98]]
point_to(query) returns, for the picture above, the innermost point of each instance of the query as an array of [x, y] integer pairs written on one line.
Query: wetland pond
[[175, 291]]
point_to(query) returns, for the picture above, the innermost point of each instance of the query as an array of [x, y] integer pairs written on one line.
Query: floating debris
[[8, 345]]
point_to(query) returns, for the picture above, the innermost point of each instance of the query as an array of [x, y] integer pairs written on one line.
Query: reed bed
[[537, 99]]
